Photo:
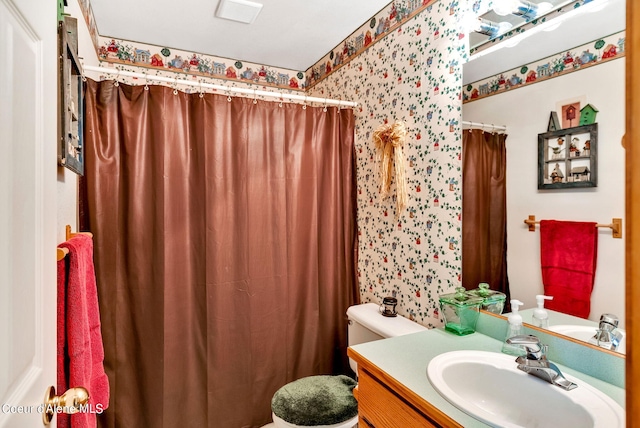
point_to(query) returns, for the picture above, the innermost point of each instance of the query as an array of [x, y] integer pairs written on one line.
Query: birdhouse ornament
[[588, 114]]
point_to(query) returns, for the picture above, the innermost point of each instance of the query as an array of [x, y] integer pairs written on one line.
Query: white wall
[[67, 186], [525, 112]]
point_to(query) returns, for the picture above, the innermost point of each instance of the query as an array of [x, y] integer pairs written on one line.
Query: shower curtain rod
[[227, 89], [484, 125]]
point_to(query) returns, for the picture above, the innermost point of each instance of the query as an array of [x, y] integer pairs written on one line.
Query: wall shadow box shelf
[[70, 108], [568, 158]]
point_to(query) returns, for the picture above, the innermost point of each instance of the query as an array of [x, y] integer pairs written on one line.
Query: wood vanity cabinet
[[383, 402]]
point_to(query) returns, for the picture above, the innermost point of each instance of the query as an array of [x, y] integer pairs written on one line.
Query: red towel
[[568, 253], [63, 356], [83, 336]]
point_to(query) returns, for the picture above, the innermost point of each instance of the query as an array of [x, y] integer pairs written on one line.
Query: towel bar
[[69, 234], [615, 226], [62, 253]]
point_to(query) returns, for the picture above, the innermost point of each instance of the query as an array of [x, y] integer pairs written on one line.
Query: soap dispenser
[[514, 329], [540, 316]]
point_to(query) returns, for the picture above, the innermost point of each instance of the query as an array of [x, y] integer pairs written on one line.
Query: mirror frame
[[631, 141]]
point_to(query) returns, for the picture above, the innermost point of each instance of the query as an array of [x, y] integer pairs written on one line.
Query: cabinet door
[[379, 407]]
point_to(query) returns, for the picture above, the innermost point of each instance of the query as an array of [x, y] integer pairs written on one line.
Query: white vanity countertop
[[405, 358]]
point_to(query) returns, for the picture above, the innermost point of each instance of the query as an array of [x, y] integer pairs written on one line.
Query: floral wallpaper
[[578, 58], [413, 74], [386, 21]]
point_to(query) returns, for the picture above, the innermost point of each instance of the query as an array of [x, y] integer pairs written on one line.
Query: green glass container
[[460, 311], [493, 301]]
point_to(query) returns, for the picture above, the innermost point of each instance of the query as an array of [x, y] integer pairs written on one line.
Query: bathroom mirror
[[526, 110], [576, 329]]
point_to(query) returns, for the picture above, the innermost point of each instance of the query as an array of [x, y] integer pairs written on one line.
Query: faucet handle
[[535, 350], [608, 322]]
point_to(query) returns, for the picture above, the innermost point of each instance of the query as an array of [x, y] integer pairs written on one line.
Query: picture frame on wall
[[570, 115], [568, 111]]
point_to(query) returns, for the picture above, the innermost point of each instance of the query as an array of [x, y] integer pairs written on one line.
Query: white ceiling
[[292, 34], [295, 34]]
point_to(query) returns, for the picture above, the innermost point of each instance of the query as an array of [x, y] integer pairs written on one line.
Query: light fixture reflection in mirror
[[490, 28], [501, 8], [524, 9]]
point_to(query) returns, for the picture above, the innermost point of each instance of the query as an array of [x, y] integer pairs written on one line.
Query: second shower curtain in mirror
[[484, 210]]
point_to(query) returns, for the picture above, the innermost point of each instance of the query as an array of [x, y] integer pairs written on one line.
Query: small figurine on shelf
[[573, 147], [559, 149], [586, 150], [588, 114], [556, 152], [554, 123], [580, 173], [556, 174]]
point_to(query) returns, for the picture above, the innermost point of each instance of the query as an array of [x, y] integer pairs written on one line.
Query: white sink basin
[[489, 387], [584, 333]]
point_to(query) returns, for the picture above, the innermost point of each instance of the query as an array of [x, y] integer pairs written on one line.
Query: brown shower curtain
[[484, 210], [224, 248]]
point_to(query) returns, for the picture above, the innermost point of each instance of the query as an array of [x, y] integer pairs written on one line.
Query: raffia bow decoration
[[389, 140]]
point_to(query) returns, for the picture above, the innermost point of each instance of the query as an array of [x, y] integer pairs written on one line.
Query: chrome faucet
[[607, 336], [535, 361]]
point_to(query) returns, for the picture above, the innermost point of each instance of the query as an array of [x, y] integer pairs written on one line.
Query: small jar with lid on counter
[[460, 311], [492, 301]]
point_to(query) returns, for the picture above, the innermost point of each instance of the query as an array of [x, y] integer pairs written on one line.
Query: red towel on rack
[[63, 357], [568, 254], [83, 335]]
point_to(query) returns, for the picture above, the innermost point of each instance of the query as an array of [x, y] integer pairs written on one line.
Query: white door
[[28, 69]]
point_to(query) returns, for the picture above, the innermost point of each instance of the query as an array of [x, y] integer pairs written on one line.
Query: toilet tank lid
[[368, 316]]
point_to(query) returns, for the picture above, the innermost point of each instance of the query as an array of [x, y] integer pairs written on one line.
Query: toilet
[[366, 324]]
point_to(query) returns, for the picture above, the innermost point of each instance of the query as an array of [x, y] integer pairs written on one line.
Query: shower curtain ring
[[228, 95], [175, 86], [325, 106], [146, 82], [281, 98], [304, 103], [117, 83], [201, 90], [255, 96]]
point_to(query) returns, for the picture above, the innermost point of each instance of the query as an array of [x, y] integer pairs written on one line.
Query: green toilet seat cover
[[316, 400]]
